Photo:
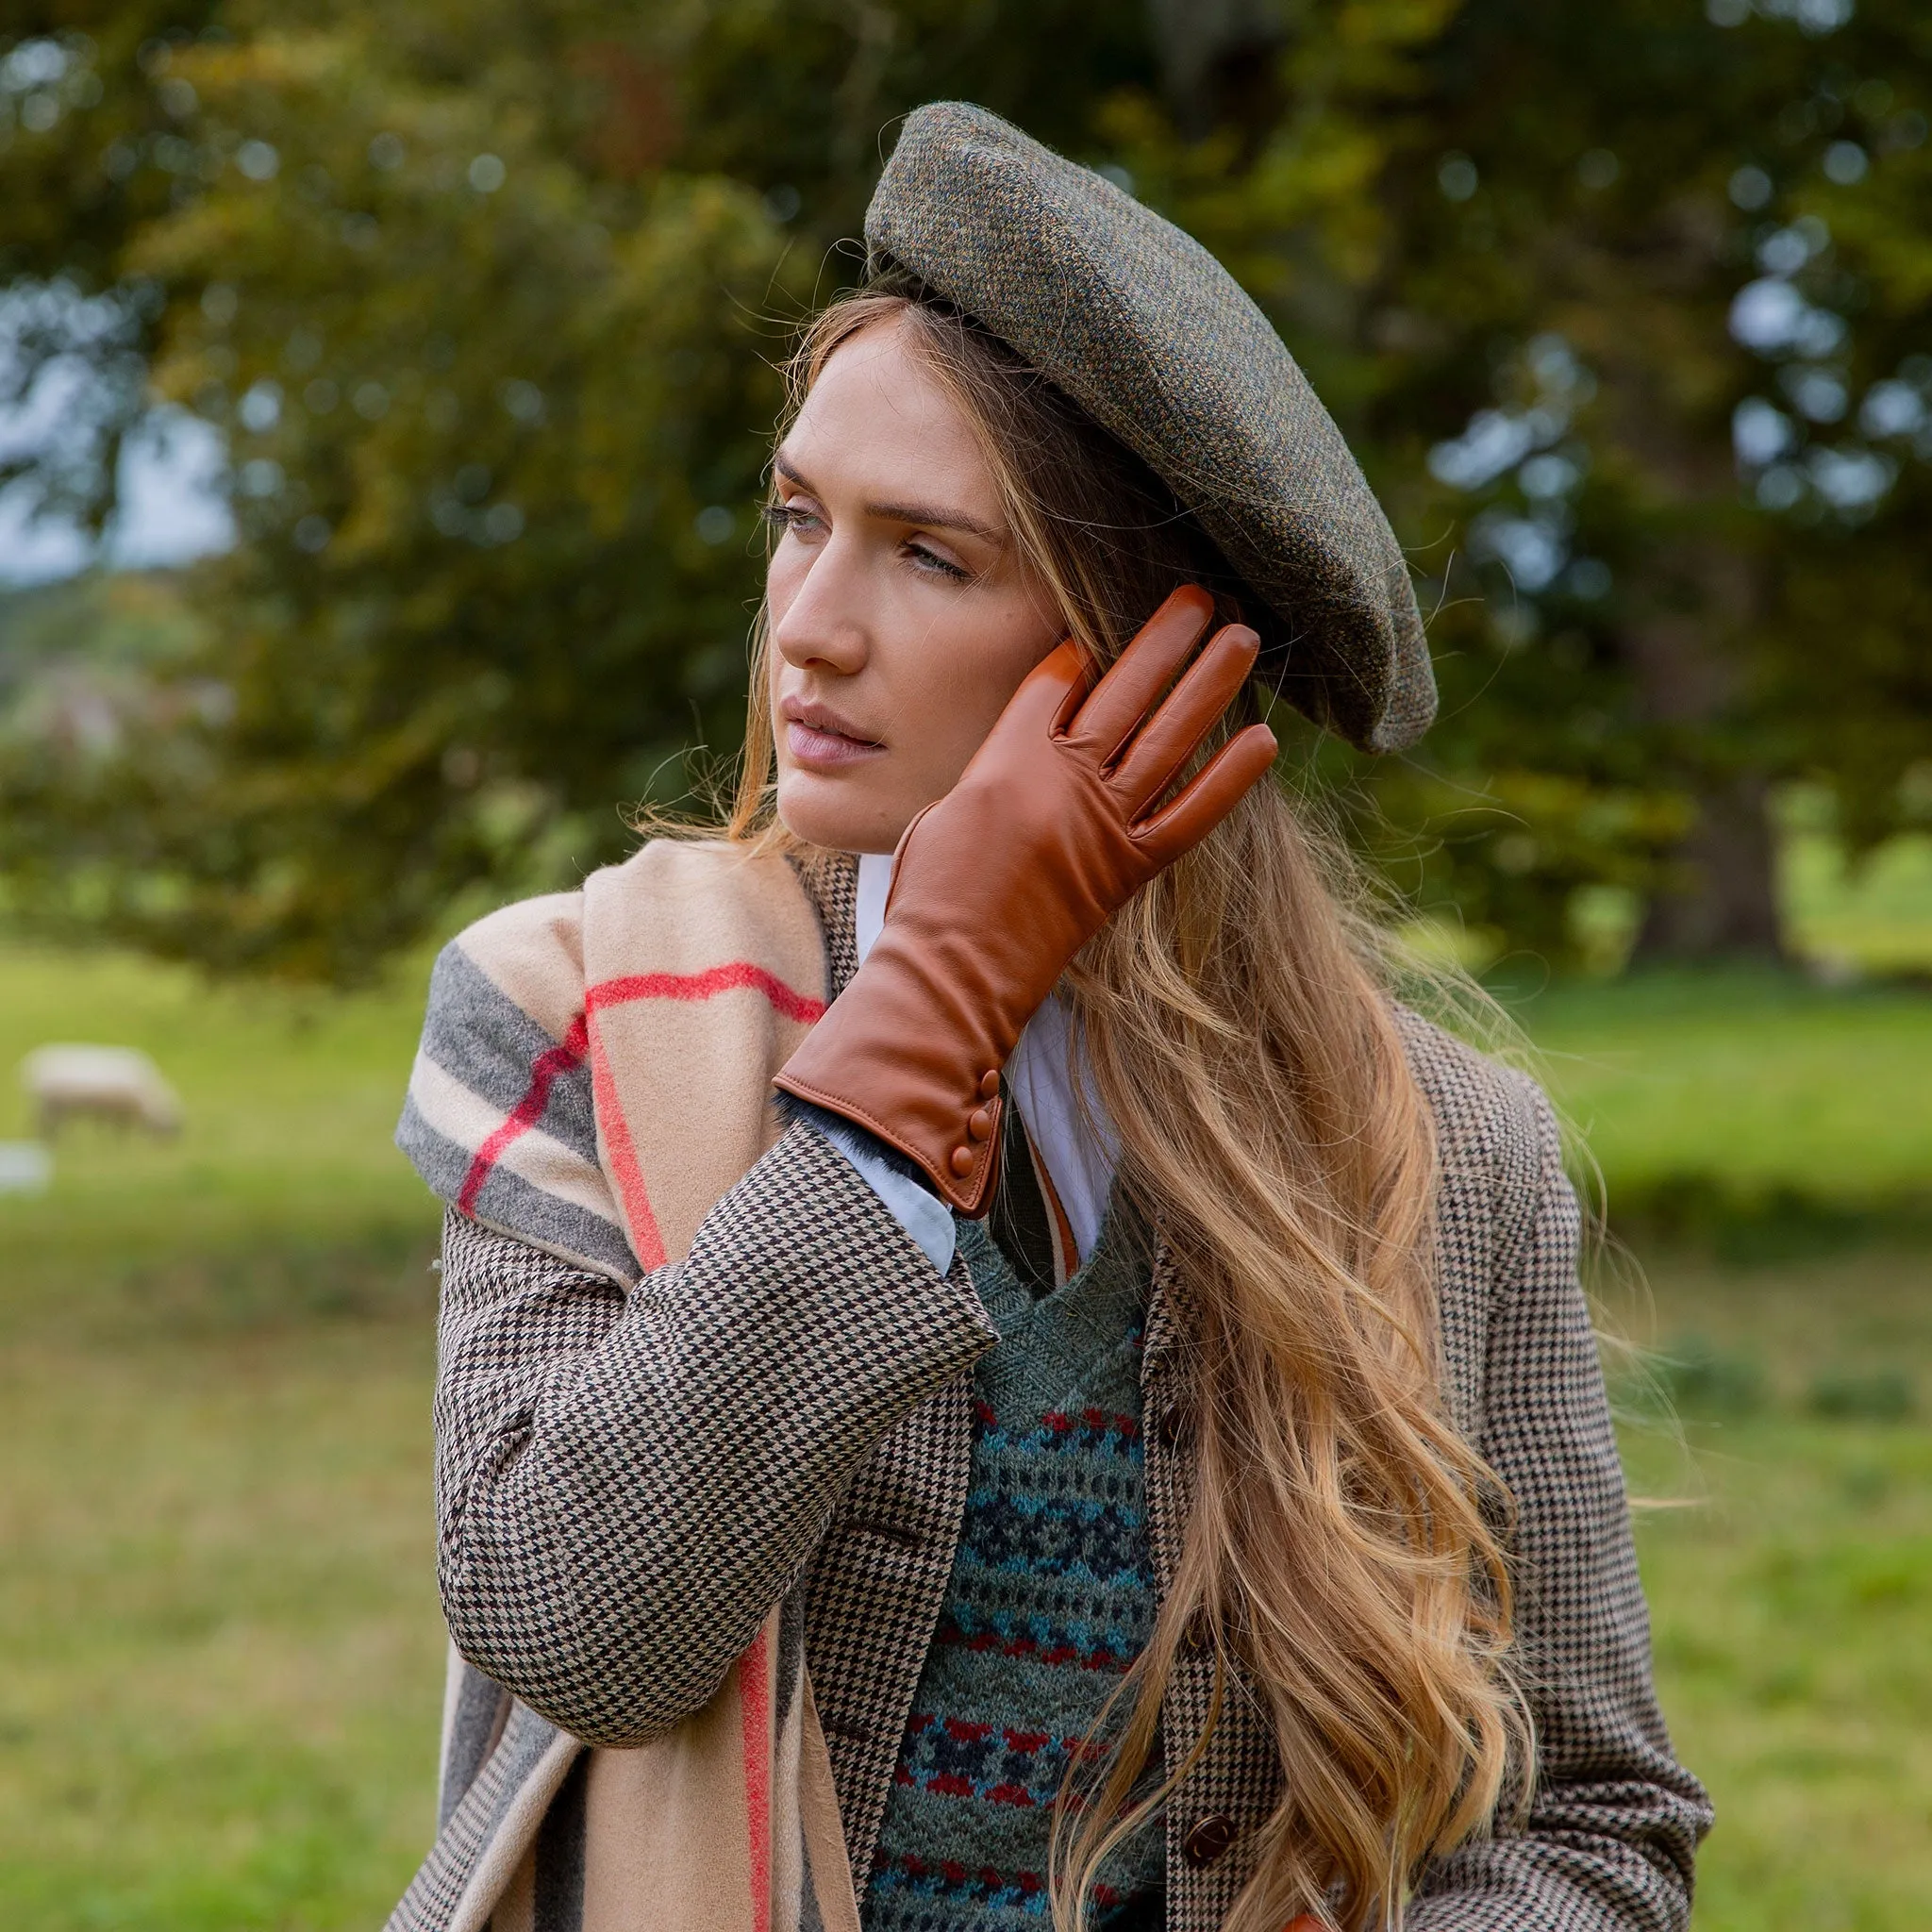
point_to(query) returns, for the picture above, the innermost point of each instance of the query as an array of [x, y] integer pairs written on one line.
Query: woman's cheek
[[784, 576]]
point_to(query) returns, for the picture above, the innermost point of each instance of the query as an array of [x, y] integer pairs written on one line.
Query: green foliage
[[485, 300], [1544, 214]]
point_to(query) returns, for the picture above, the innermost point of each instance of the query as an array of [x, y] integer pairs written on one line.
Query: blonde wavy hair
[[1344, 1544]]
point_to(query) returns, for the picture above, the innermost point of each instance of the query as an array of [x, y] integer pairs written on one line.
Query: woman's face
[[901, 619]]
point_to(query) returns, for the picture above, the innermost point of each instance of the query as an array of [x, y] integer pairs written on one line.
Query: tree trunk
[[1721, 901], [1696, 578], [1210, 52], [1725, 902]]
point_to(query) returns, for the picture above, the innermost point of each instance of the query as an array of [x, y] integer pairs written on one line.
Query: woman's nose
[[823, 616]]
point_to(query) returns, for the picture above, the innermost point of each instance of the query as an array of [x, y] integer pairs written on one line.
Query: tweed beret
[[1157, 342]]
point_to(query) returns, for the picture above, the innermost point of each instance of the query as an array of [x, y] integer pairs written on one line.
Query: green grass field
[[1790, 1581], [218, 1605], [215, 1357]]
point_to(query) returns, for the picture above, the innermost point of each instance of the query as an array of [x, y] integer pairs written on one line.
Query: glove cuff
[[892, 1056]]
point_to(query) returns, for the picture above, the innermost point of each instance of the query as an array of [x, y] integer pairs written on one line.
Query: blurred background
[[384, 392]]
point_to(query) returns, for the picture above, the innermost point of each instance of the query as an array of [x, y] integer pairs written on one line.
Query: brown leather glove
[[998, 884]]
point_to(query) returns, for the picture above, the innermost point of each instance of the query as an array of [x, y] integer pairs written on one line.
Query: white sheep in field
[[110, 1083]]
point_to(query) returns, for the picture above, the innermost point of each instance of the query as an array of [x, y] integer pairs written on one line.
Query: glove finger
[[1048, 695], [1208, 797], [1141, 673], [1206, 688]]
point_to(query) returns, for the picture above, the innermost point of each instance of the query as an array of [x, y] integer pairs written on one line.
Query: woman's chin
[[832, 811]]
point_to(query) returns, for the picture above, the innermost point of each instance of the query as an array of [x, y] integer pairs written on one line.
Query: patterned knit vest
[[1051, 1598]]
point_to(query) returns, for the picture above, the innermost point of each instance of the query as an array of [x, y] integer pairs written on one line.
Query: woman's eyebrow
[[934, 519], [904, 512]]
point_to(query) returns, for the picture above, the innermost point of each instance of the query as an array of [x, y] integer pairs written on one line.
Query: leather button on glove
[[1053, 824]]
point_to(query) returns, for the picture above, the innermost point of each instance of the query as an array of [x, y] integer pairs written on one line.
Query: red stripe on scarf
[[736, 976], [754, 1698], [704, 985], [563, 1059], [646, 1242]]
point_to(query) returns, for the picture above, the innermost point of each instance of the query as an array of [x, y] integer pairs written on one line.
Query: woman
[[1144, 1369]]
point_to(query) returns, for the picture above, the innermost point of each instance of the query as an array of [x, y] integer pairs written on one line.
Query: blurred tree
[[485, 299], [1625, 308]]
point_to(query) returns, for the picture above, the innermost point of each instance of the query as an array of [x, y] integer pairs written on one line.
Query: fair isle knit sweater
[[1051, 1598]]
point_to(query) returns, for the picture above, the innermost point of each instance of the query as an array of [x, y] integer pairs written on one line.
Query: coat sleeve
[[1613, 1821], [626, 1482]]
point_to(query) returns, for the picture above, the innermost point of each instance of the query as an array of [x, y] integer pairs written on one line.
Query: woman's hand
[[1055, 824]]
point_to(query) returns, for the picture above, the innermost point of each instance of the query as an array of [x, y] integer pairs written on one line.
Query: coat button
[[1197, 1634], [1172, 1426], [989, 1084], [980, 1123], [1208, 1838], [961, 1162]]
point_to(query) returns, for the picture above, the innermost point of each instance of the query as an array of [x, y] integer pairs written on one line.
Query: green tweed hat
[[1156, 340]]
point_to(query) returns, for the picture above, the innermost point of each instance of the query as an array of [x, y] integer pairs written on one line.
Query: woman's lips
[[819, 748]]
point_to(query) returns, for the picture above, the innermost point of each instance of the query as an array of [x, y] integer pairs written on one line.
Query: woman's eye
[[792, 516], [940, 566]]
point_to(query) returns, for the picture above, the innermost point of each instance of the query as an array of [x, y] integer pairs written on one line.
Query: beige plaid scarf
[[619, 1084]]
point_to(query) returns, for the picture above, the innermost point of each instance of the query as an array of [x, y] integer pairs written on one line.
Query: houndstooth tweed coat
[[627, 1482]]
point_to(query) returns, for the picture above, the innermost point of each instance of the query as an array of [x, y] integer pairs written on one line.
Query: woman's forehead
[[878, 421]]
